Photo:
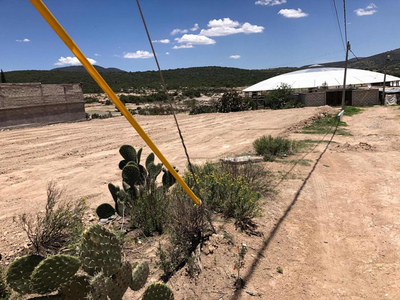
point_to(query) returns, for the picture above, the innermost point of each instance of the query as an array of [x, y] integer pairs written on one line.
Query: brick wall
[[313, 99], [35, 103], [365, 97]]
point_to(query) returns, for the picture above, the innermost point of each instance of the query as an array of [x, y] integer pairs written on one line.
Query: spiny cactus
[[76, 289], [128, 153], [139, 276], [158, 291], [20, 271], [100, 287], [100, 251], [52, 272], [120, 282], [131, 174], [168, 179], [105, 211]]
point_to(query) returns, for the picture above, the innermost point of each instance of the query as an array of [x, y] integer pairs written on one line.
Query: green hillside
[[200, 77]]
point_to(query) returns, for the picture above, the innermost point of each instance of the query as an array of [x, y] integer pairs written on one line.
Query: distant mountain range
[[198, 78], [374, 63], [82, 69]]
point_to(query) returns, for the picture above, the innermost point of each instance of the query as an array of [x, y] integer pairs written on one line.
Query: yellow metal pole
[[48, 16]]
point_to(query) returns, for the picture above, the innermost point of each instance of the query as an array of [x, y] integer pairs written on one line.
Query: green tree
[[280, 98], [3, 77]]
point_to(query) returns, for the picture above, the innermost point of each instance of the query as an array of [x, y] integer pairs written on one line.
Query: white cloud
[[195, 39], [138, 54], [369, 10], [195, 27], [292, 13], [187, 46], [165, 41], [270, 2], [235, 56], [23, 41], [96, 54], [177, 30], [226, 26], [167, 53], [73, 61]]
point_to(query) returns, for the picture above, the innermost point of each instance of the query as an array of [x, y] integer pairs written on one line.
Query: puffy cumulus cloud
[[187, 46], [194, 39], [235, 56], [195, 27], [23, 41], [270, 2], [369, 10], [72, 61], [292, 13], [165, 41], [226, 26], [167, 53], [138, 54], [177, 30]]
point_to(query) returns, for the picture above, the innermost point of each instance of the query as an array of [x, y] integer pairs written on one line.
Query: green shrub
[[270, 147], [231, 102], [224, 193], [91, 100], [282, 98], [202, 109], [351, 110], [59, 227]]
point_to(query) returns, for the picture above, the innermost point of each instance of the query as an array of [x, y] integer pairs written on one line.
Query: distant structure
[[323, 86], [24, 104]]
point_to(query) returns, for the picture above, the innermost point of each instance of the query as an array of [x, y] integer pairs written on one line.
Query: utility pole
[[384, 78], [345, 74]]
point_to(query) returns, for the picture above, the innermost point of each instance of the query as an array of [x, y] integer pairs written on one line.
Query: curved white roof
[[315, 77]]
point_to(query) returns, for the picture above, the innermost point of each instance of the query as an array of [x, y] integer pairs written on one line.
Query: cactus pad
[[138, 155], [139, 276], [154, 170], [128, 152], [100, 287], [122, 164], [20, 271], [52, 272], [105, 211], [149, 160], [114, 191], [77, 288], [100, 251], [120, 282], [130, 174], [158, 291], [168, 179]]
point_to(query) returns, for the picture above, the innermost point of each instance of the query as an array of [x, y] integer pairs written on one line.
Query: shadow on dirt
[[267, 241]]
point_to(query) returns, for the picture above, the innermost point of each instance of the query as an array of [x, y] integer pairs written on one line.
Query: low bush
[[270, 147], [351, 110], [224, 193], [59, 227], [202, 109], [282, 98], [231, 102], [89, 100]]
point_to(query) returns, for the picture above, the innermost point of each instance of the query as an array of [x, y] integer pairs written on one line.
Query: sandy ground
[[339, 238]]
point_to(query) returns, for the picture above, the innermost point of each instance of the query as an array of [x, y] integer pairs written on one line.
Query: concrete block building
[[23, 104]]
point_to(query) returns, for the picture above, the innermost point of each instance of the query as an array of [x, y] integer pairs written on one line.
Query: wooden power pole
[[384, 78], [345, 74]]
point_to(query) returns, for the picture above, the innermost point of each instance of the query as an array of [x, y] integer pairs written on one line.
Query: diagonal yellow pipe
[[48, 16]]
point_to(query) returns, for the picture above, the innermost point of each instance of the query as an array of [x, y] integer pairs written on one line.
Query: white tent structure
[[317, 77]]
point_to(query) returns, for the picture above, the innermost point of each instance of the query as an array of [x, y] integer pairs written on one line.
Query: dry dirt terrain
[[333, 228]]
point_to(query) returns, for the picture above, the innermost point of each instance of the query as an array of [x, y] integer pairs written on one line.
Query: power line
[[340, 28], [359, 59]]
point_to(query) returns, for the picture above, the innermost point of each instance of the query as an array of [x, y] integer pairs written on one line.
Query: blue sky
[[249, 34]]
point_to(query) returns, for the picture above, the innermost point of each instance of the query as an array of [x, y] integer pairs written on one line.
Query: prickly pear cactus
[[105, 211], [52, 272], [154, 170], [158, 291], [168, 179], [76, 289], [20, 271], [114, 191], [100, 287], [149, 160], [131, 174], [100, 251], [120, 282], [138, 155], [128, 153], [139, 276]]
